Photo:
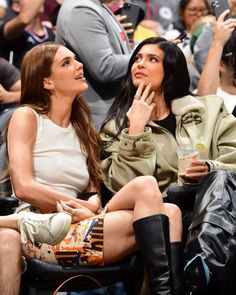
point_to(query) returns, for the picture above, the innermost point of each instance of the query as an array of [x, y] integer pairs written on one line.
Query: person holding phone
[[202, 46], [133, 14], [218, 73], [92, 31], [219, 6], [189, 12]]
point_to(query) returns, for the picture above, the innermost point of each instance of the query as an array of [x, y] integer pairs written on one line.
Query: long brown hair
[[36, 66]]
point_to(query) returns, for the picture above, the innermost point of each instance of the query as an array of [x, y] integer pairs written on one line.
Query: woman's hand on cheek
[[141, 110]]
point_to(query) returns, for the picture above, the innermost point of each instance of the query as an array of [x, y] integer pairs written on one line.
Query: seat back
[[5, 115]]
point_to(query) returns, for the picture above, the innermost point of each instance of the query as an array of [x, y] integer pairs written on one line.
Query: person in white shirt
[[218, 73]]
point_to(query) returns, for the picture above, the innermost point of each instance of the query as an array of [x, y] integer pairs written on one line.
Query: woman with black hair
[[153, 114]]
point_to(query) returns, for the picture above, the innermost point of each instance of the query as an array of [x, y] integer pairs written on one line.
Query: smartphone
[[135, 14], [182, 36], [218, 6]]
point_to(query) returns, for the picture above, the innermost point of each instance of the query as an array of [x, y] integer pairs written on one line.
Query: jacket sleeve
[[126, 157], [224, 141], [89, 38]]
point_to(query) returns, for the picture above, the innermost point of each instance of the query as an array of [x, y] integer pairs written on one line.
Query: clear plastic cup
[[186, 153]]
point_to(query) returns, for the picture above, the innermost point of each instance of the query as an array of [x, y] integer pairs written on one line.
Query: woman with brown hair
[[53, 158]]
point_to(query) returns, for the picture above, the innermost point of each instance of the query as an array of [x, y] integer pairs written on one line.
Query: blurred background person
[[3, 10], [50, 12], [160, 14], [92, 32], [189, 12], [201, 47], [10, 90], [218, 72], [23, 31]]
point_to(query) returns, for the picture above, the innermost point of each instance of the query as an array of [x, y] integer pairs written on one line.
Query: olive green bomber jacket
[[200, 121]]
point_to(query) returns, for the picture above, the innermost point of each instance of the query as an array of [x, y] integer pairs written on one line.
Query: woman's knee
[[174, 213], [147, 186]]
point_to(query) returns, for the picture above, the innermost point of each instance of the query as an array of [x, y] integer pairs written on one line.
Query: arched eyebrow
[[154, 55], [150, 55], [67, 58]]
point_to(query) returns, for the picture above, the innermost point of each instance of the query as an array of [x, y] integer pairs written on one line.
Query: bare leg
[[143, 198], [9, 221], [119, 239], [10, 255], [140, 198], [175, 222], [142, 195], [148, 223]]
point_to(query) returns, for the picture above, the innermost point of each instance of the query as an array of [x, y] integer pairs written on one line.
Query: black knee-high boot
[[152, 234], [177, 268]]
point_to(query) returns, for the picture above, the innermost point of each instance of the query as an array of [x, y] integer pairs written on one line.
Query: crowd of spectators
[[24, 25]]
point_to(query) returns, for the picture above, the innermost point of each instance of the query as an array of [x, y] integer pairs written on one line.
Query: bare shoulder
[[23, 118], [24, 112]]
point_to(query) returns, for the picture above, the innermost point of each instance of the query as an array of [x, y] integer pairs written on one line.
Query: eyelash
[[65, 63], [155, 59], [137, 58]]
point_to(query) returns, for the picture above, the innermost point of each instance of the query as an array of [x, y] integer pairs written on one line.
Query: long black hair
[[175, 83]]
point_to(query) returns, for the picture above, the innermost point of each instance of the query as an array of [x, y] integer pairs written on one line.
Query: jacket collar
[[187, 104], [189, 108]]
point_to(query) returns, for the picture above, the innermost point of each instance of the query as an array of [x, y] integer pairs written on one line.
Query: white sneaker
[[44, 228]]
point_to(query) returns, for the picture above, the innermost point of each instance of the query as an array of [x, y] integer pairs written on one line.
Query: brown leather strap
[[79, 276]]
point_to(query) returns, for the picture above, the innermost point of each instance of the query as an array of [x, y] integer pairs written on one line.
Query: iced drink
[[186, 153]]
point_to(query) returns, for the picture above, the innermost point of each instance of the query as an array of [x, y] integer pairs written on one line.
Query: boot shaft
[[152, 234], [177, 268]]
